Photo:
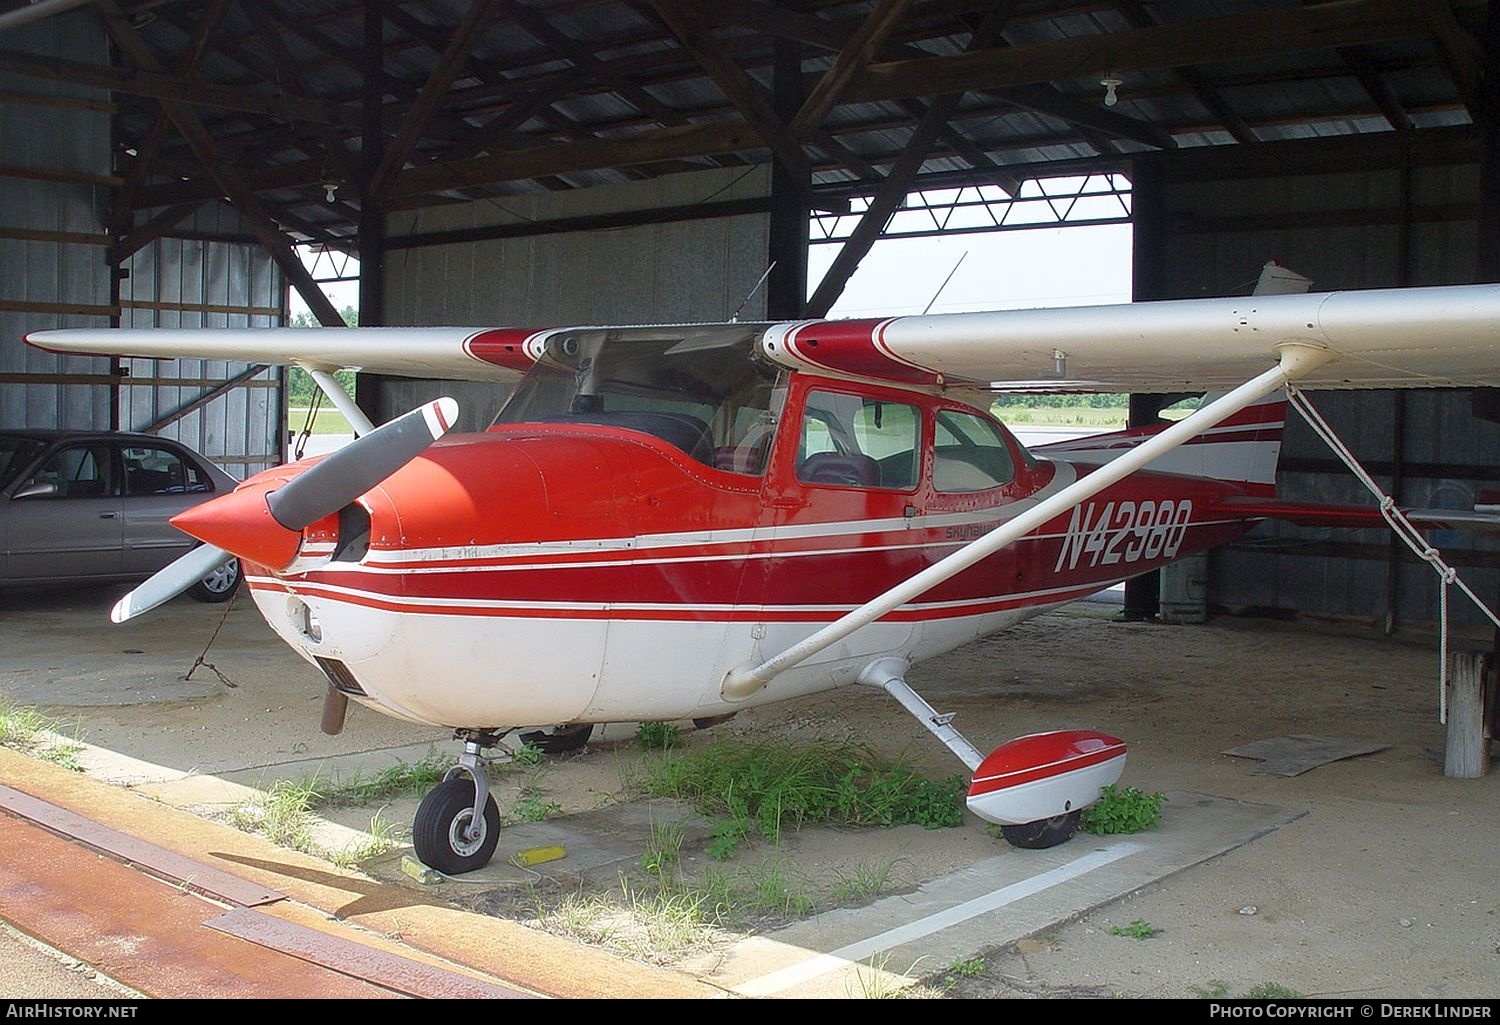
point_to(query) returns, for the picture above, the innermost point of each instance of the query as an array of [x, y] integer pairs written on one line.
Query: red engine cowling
[[1045, 774]]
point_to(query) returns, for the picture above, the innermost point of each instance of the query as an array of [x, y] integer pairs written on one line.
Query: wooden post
[[1467, 755]]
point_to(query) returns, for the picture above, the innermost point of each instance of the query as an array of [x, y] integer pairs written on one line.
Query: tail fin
[[1241, 450]]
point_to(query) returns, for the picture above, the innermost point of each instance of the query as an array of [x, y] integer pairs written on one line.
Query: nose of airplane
[[263, 520], [241, 523]]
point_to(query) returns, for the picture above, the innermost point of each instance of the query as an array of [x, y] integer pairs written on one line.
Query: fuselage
[[576, 569]]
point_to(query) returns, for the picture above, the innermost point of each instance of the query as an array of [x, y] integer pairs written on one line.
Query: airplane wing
[[1445, 336], [454, 353], [1385, 338]]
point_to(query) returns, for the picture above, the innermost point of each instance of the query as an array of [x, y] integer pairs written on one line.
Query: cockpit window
[[709, 395], [970, 454]]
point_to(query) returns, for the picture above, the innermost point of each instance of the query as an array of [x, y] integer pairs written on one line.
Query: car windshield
[[16, 453], [705, 393]]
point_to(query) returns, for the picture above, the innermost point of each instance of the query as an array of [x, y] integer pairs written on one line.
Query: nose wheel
[[458, 825]]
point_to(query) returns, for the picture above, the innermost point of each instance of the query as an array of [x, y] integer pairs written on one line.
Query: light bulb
[[1111, 82], [330, 188]]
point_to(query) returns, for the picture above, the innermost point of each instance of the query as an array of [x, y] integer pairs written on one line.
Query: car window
[[16, 453], [79, 471], [160, 471]]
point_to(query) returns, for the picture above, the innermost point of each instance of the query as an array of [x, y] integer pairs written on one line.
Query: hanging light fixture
[[1111, 81]]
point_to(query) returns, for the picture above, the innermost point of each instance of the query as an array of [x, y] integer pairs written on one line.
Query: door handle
[[107, 515]]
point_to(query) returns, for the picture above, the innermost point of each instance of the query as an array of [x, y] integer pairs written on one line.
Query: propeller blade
[[327, 486], [169, 582]]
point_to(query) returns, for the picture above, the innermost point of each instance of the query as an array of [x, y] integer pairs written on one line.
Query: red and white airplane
[[680, 521]]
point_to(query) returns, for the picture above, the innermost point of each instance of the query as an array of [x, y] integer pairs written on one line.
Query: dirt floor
[[1384, 887]]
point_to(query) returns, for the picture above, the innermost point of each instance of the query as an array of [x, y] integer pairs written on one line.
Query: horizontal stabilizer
[[1319, 514]]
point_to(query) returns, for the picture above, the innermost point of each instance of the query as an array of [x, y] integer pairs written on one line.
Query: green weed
[[1122, 811], [1140, 929], [1270, 991], [404, 779], [658, 736], [532, 807], [774, 786]]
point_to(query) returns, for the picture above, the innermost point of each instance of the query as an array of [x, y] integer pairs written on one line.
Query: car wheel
[[219, 585]]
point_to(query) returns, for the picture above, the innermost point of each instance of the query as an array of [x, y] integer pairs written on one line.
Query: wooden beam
[[63, 309], [162, 86], [202, 400], [77, 238], [1207, 94], [243, 198], [284, 67], [60, 176], [1209, 40], [744, 92], [122, 213], [444, 73], [676, 142], [851, 60], [1460, 51], [12, 98], [898, 182], [589, 222], [1046, 100]]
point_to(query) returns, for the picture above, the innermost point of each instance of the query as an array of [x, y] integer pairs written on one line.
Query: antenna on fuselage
[[944, 285], [735, 316]]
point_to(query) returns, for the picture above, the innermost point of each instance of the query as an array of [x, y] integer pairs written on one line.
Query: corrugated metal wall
[[1399, 219], [698, 270], [50, 283], [175, 282]]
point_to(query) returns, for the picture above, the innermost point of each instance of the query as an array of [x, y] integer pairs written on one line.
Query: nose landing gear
[[458, 825]]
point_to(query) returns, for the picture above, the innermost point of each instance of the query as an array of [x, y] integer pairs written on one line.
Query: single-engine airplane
[[679, 521]]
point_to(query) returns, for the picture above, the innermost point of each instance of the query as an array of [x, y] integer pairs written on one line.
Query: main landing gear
[[1035, 787], [458, 824]]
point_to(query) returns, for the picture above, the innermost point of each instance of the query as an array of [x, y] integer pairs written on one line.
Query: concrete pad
[[1296, 754], [342, 767], [103, 683], [992, 903]]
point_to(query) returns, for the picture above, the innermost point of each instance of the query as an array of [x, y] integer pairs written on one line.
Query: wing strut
[[1295, 360], [340, 398]]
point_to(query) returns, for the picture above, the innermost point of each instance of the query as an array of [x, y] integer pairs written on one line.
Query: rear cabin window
[[854, 441], [970, 454]]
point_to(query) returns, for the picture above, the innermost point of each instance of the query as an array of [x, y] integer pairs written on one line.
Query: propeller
[[338, 479], [169, 582], [319, 491]]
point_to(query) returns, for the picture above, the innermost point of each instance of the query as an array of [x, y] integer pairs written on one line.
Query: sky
[[1056, 266]]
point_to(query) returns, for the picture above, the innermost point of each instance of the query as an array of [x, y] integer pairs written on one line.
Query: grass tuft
[[773, 786]]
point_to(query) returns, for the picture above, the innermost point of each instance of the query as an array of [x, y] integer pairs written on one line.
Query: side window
[[854, 441], [160, 471], [82, 471], [970, 454]]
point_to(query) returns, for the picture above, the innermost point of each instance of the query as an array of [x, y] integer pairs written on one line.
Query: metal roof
[[500, 97]]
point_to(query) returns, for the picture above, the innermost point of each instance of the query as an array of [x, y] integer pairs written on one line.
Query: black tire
[[437, 833], [1043, 833], [220, 585], [561, 741]]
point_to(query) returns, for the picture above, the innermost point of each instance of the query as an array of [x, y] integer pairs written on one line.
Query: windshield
[[16, 453], [709, 396]]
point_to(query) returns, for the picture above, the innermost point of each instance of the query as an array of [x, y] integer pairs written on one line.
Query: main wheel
[[1042, 833], [219, 585], [561, 741], [440, 832]]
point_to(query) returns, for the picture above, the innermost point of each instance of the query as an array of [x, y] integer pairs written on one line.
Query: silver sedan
[[80, 507]]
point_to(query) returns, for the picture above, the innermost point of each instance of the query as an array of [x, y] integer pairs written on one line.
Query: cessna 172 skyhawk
[[671, 522]]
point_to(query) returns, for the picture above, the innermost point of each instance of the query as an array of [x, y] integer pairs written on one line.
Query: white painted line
[[801, 972]]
